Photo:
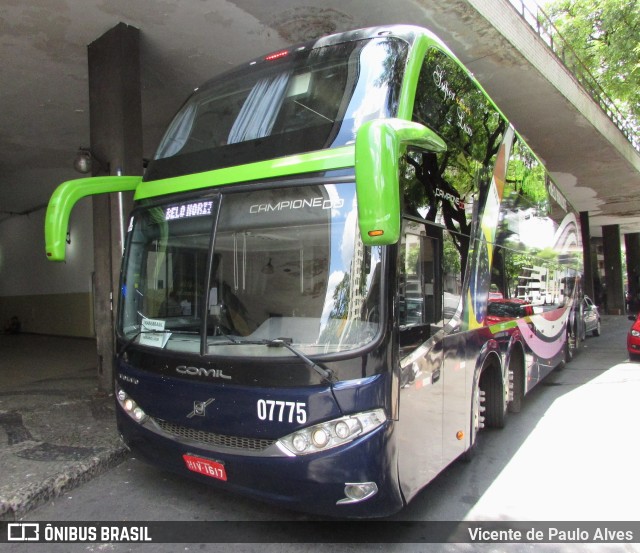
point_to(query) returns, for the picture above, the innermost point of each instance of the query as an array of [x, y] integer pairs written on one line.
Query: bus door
[[420, 305]]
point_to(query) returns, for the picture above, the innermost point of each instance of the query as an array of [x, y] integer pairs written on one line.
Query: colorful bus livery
[[304, 313]]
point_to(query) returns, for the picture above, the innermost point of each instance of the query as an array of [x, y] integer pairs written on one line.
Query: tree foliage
[[604, 35]]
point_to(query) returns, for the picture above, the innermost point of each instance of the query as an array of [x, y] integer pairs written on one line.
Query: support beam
[[632, 248], [614, 301], [116, 139], [587, 257]]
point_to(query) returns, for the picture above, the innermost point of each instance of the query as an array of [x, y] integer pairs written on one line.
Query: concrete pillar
[[632, 247], [587, 284], [116, 139], [613, 269]]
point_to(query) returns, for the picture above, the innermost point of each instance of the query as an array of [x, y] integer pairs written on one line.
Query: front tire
[[597, 329]]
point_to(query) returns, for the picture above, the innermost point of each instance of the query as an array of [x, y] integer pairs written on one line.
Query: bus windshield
[[283, 264], [308, 99]]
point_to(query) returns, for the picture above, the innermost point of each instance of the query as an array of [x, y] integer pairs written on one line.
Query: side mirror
[[379, 146]]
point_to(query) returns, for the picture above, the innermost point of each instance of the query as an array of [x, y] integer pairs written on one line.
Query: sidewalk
[[58, 432]]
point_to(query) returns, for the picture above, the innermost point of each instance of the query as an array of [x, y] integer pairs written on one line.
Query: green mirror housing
[[379, 146], [56, 223]]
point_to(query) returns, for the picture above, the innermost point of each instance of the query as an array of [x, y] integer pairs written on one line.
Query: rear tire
[[569, 348], [476, 423], [495, 397], [515, 405], [597, 330]]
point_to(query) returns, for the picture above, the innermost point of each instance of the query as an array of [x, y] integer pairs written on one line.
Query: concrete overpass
[[45, 103]]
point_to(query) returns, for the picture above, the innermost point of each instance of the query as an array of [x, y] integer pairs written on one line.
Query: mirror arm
[[65, 198]]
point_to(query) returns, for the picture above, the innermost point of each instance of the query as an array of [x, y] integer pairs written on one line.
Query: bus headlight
[[330, 434], [130, 407]]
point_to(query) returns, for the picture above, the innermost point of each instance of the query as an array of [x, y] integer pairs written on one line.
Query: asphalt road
[[570, 455]]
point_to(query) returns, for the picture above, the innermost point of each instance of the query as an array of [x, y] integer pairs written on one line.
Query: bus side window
[[419, 300]]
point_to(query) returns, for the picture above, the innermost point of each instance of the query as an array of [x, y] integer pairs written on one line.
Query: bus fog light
[[360, 491]]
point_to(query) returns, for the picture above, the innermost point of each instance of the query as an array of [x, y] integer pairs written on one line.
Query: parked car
[[591, 317], [633, 338], [501, 310]]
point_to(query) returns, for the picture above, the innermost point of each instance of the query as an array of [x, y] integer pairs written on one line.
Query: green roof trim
[[321, 160]]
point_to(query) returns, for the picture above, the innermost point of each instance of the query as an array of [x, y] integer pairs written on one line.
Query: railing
[[540, 22]]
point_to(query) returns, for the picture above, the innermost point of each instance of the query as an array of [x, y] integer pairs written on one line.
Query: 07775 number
[[282, 411]]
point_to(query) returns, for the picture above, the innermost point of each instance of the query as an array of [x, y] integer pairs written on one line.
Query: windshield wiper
[[327, 374], [230, 338], [314, 111]]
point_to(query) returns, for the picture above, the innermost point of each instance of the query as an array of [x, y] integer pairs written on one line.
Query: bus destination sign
[[186, 211]]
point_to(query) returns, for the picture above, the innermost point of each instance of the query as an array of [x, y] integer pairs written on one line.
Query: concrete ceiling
[[44, 93]]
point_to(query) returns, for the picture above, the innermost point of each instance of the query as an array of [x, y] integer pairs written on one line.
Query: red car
[[633, 338], [501, 310]]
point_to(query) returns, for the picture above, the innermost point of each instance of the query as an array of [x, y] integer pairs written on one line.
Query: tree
[[604, 35]]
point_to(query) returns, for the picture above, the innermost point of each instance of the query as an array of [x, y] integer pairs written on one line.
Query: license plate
[[206, 467]]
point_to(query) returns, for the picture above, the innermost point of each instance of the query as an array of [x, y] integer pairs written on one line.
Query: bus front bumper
[[319, 483]]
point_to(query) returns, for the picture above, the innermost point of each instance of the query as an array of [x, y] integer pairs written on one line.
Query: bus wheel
[[477, 422], [516, 385], [569, 347], [495, 397]]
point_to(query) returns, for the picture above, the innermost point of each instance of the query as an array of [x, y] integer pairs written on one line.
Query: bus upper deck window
[[299, 85]]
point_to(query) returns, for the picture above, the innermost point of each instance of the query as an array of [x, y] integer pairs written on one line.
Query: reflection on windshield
[[286, 264], [289, 264], [165, 273]]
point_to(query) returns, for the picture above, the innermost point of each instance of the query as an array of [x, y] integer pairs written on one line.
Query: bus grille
[[211, 439]]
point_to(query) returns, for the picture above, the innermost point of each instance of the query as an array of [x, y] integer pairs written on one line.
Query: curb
[[30, 497]]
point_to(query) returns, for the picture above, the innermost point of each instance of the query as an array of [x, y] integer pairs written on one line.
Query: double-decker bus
[[308, 270]]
